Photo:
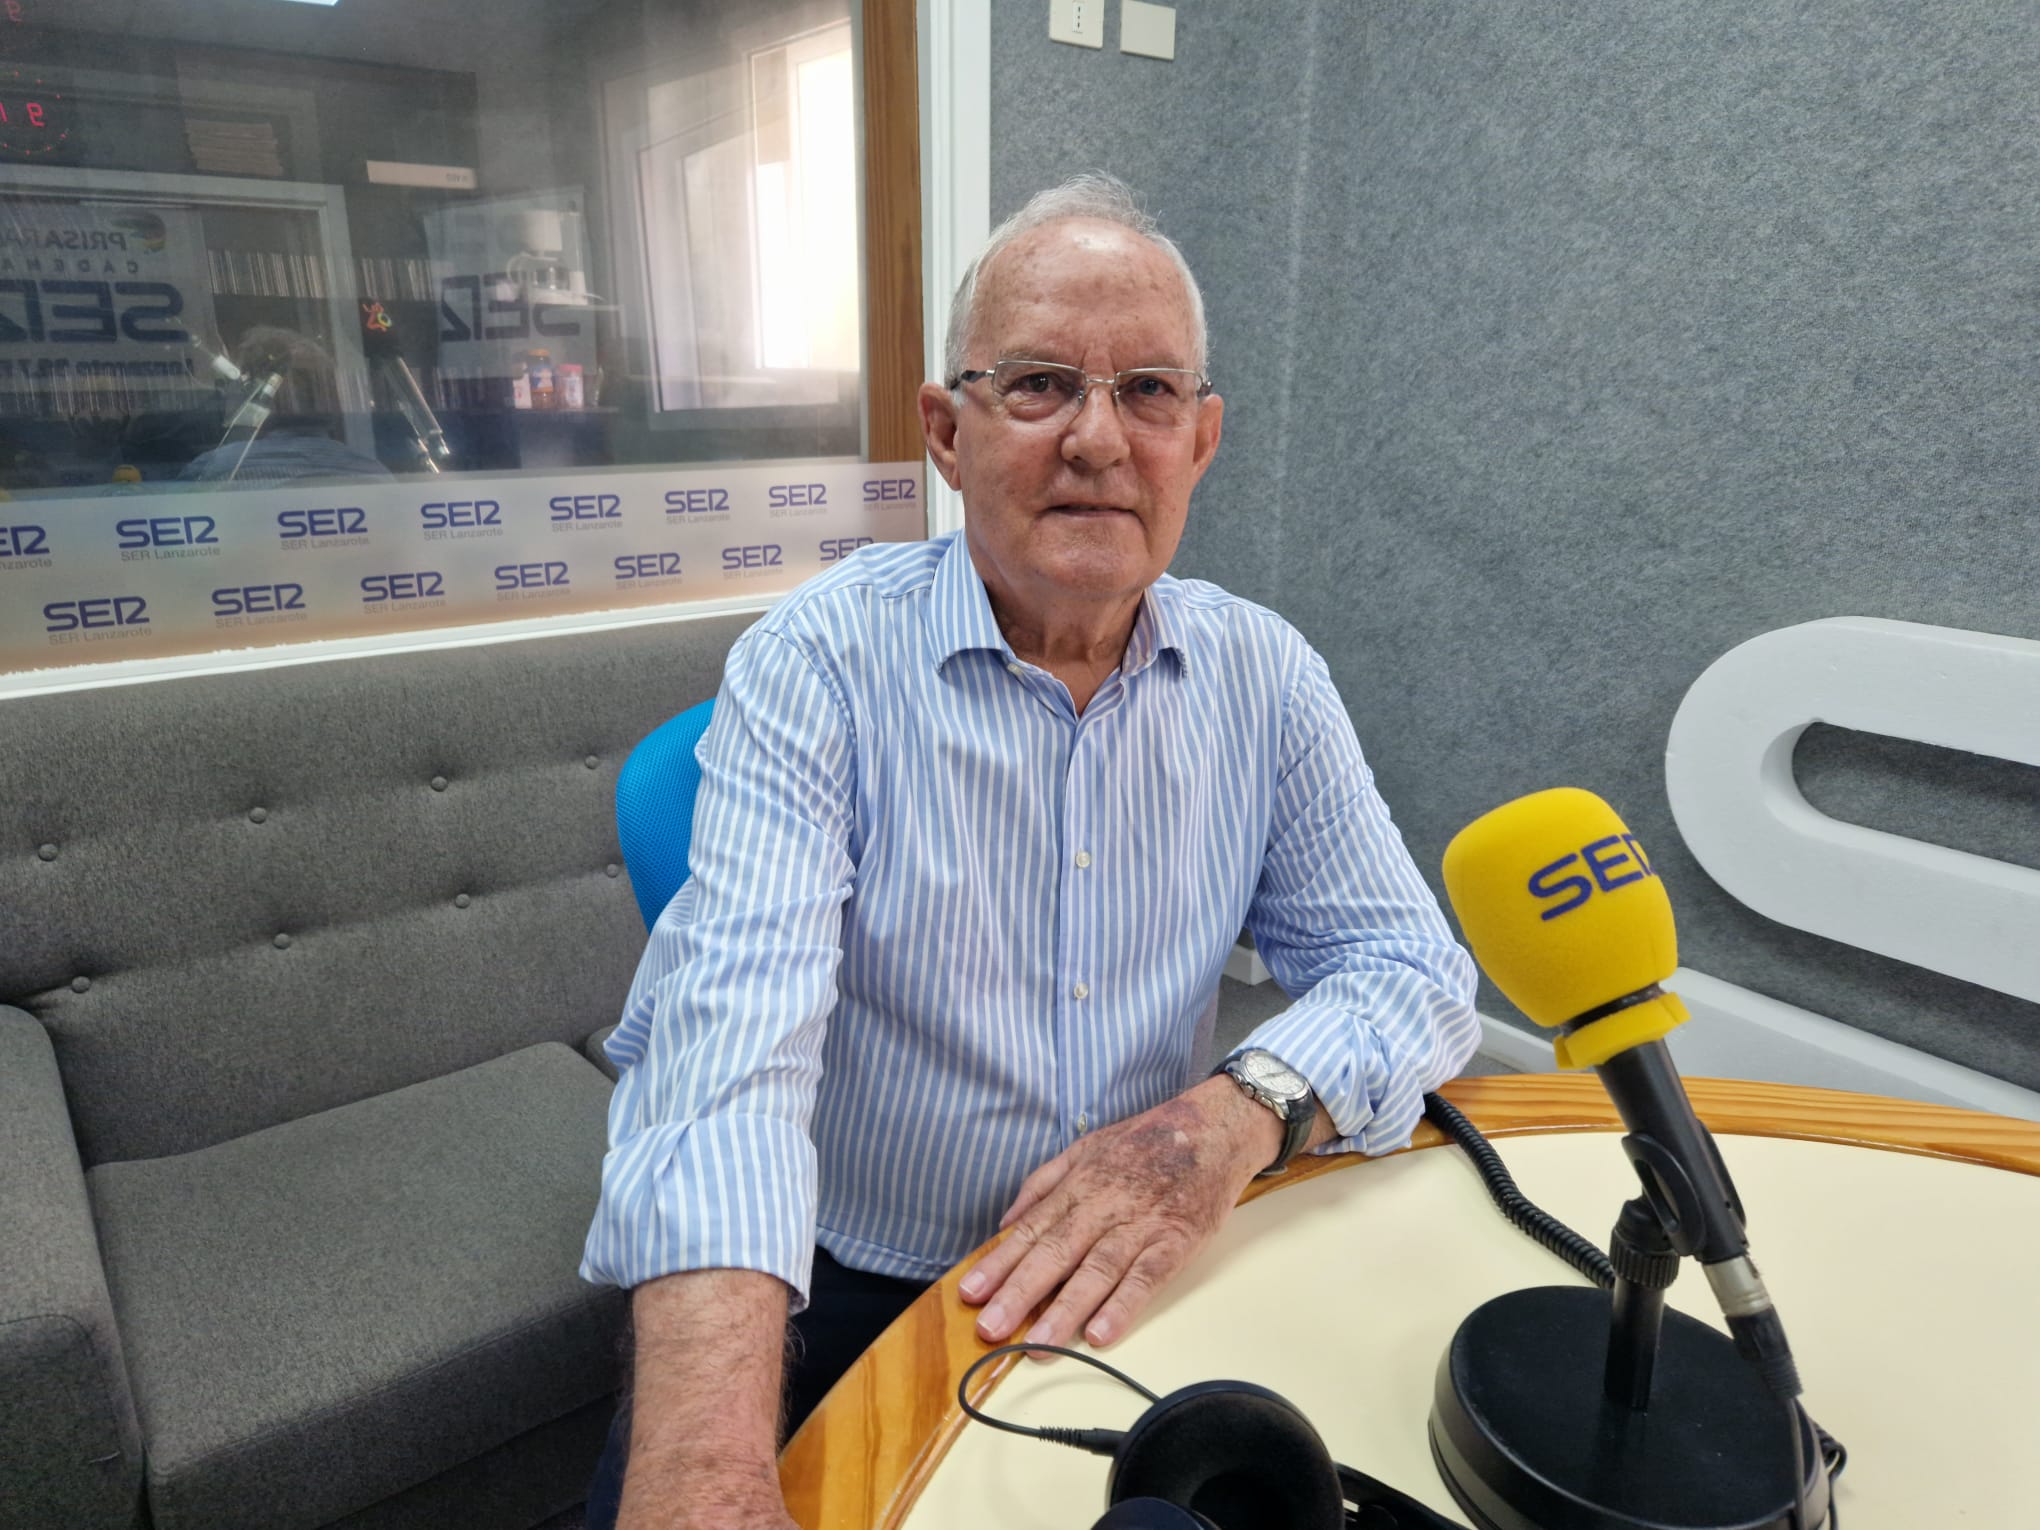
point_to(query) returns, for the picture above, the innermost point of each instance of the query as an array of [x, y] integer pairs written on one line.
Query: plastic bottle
[[520, 387], [543, 395], [572, 395]]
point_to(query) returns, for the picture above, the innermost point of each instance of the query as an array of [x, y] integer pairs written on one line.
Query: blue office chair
[[655, 808]]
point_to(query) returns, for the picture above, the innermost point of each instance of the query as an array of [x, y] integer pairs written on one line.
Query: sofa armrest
[[70, 1446], [593, 1048]]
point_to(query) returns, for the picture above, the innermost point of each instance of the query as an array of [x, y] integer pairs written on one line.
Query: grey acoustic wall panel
[[1564, 348]]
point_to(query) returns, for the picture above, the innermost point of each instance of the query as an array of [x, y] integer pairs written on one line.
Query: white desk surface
[[1907, 1285]]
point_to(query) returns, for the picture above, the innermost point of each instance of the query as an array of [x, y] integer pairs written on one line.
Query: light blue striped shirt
[[939, 924]]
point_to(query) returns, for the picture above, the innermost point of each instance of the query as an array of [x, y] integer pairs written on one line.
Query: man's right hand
[[705, 1398]]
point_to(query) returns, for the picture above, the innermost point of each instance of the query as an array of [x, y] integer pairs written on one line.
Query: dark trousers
[[847, 1309]]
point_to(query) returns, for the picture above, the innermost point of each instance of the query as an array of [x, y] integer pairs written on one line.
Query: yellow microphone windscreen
[[1559, 904]]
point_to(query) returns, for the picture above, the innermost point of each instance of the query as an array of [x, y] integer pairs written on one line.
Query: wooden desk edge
[[863, 1458]]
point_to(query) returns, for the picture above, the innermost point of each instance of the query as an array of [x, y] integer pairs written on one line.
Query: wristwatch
[[1268, 1081]]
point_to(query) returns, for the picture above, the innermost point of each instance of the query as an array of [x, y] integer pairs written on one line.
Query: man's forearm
[[1254, 1127], [705, 1399]]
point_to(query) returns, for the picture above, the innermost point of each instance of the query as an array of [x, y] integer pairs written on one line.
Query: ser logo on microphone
[[1614, 860]]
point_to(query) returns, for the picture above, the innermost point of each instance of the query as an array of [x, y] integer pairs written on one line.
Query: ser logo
[[24, 542], [168, 531], [90, 615], [697, 501], [836, 548], [886, 490], [532, 576], [786, 496], [349, 521], [659, 565], [737, 559], [586, 507], [143, 314], [443, 514], [426, 584], [257, 599], [1604, 858]]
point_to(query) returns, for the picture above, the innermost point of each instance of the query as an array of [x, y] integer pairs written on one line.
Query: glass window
[[308, 309]]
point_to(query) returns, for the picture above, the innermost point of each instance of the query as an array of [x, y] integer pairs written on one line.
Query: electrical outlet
[[1077, 21]]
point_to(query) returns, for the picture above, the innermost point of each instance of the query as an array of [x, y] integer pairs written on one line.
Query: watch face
[[1274, 1075]]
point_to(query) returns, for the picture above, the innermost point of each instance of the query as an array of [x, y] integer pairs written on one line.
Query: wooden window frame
[[893, 347]]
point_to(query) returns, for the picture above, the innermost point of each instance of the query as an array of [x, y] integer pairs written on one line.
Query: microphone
[[379, 346], [1562, 908], [256, 397], [218, 365]]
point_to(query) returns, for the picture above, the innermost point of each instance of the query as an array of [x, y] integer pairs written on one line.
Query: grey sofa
[[299, 1135]]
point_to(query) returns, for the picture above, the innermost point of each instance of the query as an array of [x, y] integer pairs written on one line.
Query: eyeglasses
[[1053, 392]]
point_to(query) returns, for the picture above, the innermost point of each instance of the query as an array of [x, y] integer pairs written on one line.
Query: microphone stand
[[433, 449], [1564, 1408], [252, 411], [1646, 1264], [252, 415]]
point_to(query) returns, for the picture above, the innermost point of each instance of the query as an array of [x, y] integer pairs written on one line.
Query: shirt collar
[[960, 616], [959, 611], [1156, 630]]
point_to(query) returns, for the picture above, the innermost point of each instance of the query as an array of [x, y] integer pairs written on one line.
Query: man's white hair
[[1095, 195]]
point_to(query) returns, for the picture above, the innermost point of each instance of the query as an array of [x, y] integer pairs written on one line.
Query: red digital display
[[34, 116]]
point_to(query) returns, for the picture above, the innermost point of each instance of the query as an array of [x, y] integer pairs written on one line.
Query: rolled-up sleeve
[[1383, 994], [710, 1162]]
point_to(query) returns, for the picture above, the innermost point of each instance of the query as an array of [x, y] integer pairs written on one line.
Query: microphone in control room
[[380, 346], [1560, 1408], [252, 397]]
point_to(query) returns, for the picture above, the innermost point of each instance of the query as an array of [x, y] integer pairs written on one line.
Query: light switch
[[1147, 29], [1077, 21]]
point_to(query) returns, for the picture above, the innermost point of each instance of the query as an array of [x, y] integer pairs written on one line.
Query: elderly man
[[980, 820]]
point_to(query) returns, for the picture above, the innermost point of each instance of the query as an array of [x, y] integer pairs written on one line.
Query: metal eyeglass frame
[[1084, 379]]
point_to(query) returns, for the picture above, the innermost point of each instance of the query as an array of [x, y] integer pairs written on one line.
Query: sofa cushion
[[272, 874], [324, 1313]]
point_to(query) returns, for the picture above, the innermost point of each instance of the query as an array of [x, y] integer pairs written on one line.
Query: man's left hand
[[1115, 1215]]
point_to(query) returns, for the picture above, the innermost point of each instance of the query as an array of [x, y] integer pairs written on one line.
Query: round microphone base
[[1526, 1438]]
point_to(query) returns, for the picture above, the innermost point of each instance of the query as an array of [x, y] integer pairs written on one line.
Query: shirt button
[[1081, 991], [1012, 669], [1083, 859], [1083, 1124]]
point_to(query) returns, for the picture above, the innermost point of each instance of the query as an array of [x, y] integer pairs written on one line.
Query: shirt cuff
[[1374, 1098], [726, 1192]]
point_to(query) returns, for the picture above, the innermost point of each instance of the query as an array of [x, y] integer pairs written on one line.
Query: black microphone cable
[[1531, 1218]]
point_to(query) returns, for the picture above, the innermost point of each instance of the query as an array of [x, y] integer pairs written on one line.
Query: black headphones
[[1220, 1455]]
